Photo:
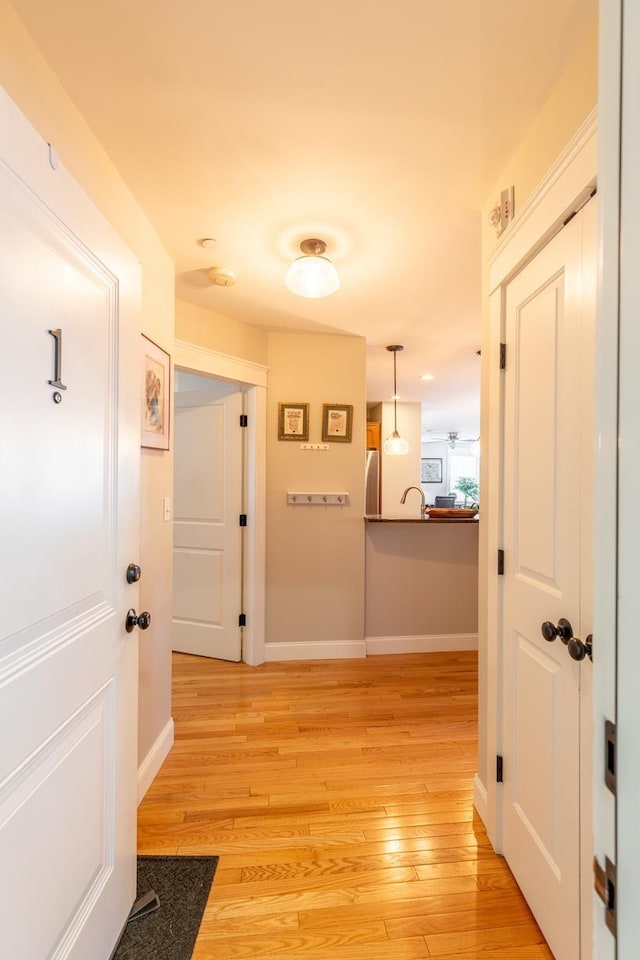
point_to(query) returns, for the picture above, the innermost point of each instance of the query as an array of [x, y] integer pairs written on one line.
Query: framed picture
[[431, 470], [156, 395], [293, 421], [337, 419]]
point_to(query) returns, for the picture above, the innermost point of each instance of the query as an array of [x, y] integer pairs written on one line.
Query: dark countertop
[[379, 518]]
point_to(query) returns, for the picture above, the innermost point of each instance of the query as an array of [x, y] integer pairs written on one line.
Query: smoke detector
[[222, 276]]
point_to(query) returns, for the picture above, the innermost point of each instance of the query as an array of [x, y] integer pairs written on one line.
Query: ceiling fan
[[453, 438]]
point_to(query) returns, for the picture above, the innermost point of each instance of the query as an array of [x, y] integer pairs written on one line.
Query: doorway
[[209, 517], [547, 520], [251, 380], [522, 675]]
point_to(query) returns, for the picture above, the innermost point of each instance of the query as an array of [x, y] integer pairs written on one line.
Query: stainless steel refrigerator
[[372, 482]]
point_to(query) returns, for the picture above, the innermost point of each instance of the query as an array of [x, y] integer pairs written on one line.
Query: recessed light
[[427, 376], [208, 243]]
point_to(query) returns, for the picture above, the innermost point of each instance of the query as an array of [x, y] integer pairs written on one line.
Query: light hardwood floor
[[338, 796]]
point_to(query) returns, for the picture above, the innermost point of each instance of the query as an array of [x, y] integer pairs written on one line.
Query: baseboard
[[437, 643], [329, 650], [356, 649], [480, 800], [154, 759]]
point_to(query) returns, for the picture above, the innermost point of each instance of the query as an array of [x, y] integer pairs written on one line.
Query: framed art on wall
[[293, 421], [156, 395], [431, 470], [337, 422]]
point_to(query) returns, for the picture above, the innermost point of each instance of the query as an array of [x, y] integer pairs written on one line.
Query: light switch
[[166, 509]]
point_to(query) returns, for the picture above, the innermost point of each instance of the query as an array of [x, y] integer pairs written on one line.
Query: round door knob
[[133, 620], [578, 649], [564, 630]]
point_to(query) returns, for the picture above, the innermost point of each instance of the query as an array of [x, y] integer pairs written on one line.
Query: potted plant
[[470, 489]]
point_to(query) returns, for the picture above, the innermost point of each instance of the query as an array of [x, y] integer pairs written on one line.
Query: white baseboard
[[437, 643], [480, 800], [154, 759], [331, 650]]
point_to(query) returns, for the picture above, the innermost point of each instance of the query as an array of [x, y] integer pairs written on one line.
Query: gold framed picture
[[337, 420], [293, 421], [155, 396]]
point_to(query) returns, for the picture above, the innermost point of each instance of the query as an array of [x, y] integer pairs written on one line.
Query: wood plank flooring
[[338, 796]]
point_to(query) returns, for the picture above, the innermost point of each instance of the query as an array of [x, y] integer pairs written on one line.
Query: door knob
[[564, 630], [579, 649], [133, 620], [133, 573]]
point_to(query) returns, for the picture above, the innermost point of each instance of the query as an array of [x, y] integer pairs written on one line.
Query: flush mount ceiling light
[[395, 445], [312, 275], [222, 276]]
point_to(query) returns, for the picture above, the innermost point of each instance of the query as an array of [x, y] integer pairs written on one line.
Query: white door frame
[[606, 467], [567, 186], [620, 39], [196, 359]]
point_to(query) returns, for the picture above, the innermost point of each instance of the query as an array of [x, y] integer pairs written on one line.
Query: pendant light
[[395, 445], [312, 275]]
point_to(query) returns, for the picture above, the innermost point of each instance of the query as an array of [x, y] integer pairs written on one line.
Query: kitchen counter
[[379, 518], [421, 589]]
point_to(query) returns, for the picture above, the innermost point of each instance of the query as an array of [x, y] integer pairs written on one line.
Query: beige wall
[[422, 579], [28, 79], [567, 107], [398, 473], [217, 332], [315, 555]]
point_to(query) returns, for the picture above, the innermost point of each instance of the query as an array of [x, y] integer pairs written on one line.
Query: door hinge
[[500, 563], [244, 420], [243, 519], [499, 766], [604, 882], [242, 620], [503, 356], [610, 755]]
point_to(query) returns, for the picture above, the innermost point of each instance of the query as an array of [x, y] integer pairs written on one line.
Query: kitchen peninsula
[[421, 584]]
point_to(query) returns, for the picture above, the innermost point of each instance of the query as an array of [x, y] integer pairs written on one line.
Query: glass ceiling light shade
[[312, 275], [395, 445]]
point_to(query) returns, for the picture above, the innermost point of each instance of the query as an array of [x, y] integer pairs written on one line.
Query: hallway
[[338, 795]]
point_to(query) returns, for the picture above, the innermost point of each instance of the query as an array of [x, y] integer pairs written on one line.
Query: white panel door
[[549, 321], [69, 522], [207, 551]]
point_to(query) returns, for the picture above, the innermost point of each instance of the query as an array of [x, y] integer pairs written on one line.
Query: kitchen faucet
[[421, 492]]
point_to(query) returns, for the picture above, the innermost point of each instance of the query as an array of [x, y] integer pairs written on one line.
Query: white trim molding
[[437, 643], [190, 356], [480, 799], [154, 759], [331, 650]]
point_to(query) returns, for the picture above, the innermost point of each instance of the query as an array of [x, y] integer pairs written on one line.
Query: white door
[[207, 546], [548, 436], [69, 527]]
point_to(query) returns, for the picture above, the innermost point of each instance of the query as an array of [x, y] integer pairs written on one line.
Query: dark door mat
[[169, 933]]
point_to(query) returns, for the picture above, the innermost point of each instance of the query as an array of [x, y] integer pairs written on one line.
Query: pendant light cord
[[395, 395]]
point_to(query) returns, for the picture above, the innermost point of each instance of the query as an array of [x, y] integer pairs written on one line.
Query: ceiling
[[379, 128]]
